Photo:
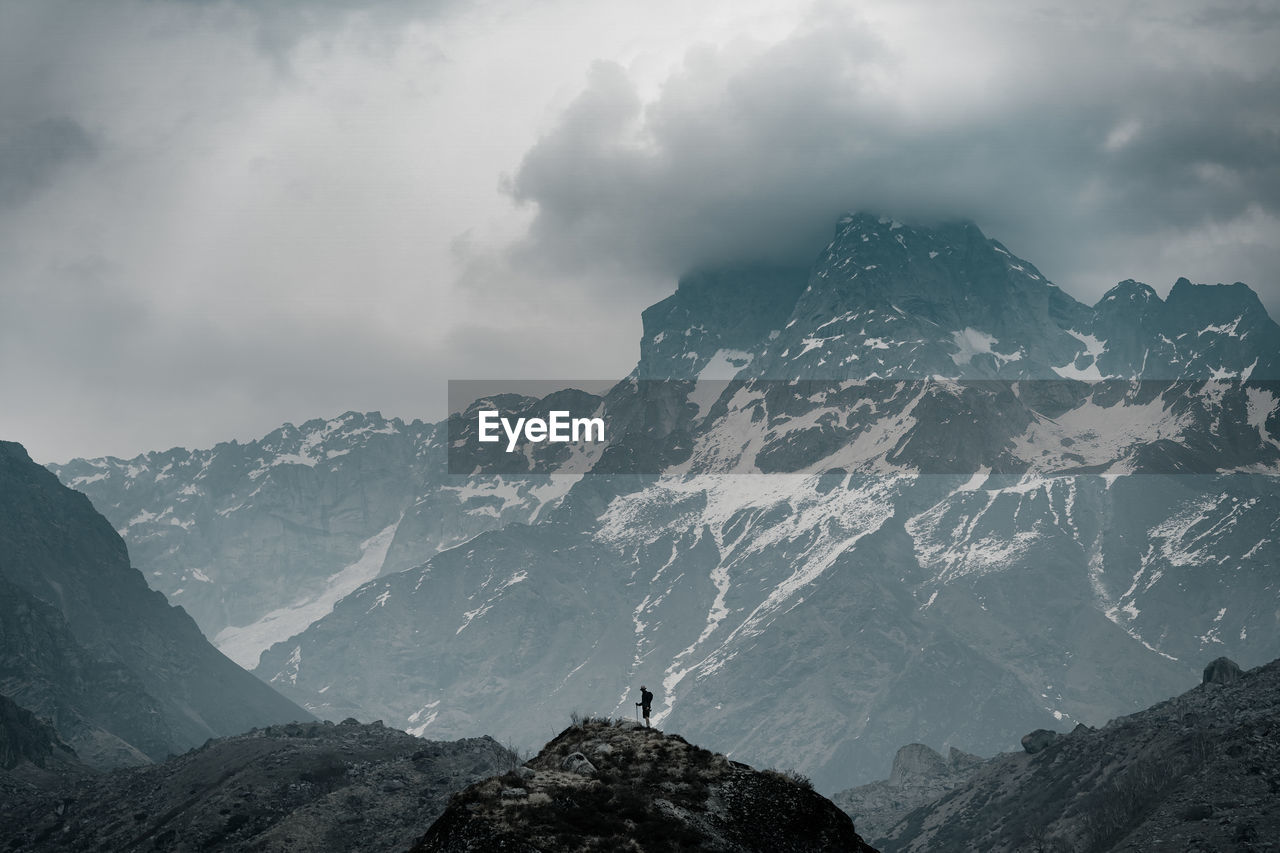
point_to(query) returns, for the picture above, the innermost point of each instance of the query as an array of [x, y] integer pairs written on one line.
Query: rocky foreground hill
[[617, 786], [1199, 772], [295, 788], [319, 787]]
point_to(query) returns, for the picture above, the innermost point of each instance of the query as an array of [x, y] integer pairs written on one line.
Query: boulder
[[1222, 671], [576, 762], [916, 763], [1039, 739]]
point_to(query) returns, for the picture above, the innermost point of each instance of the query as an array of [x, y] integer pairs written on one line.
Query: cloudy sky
[[216, 218]]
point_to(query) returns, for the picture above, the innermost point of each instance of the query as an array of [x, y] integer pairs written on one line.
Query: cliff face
[[615, 785], [124, 676], [24, 738]]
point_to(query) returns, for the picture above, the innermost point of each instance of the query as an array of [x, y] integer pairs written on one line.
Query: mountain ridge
[[258, 539], [954, 489], [745, 604]]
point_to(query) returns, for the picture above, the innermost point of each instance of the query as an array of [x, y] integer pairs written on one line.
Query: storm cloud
[[1100, 147], [218, 216]]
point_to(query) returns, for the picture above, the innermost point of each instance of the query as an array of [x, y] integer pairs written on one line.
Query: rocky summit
[[617, 786], [295, 788], [1198, 772]]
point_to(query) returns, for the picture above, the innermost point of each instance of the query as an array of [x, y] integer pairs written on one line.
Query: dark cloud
[[1085, 146], [33, 154], [280, 24], [217, 216]]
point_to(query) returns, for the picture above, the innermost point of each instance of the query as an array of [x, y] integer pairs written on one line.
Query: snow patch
[[291, 667], [1223, 329], [971, 342], [1261, 403], [723, 366], [1093, 347], [245, 644], [471, 615]]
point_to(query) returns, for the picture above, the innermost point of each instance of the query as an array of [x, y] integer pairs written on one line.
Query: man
[[645, 703]]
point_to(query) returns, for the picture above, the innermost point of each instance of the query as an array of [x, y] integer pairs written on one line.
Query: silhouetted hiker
[[645, 703]]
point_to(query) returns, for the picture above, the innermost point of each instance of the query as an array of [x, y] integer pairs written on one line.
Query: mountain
[[123, 676], [1196, 772], [615, 785], [258, 540], [941, 500], [918, 493], [290, 788]]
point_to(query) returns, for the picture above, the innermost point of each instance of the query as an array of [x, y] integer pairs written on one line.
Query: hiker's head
[[642, 687]]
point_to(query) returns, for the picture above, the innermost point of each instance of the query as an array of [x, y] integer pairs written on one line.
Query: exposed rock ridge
[[604, 785]]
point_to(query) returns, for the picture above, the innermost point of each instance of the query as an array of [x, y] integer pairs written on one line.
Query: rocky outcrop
[[24, 738], [296, 788], [33, 757], [648, 792], [1038, 740], [919, 776], [916, 764], [1221, 671]]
